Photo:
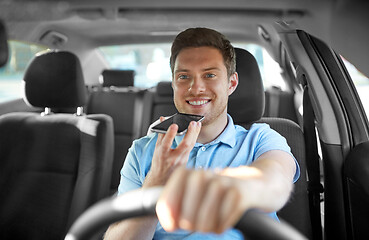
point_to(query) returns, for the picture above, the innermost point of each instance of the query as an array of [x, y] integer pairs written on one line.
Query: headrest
[[246, 104], [118, 78], [55, 80], [3, 45], [164, 89]]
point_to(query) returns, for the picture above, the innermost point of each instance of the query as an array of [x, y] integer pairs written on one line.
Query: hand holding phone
[[181, 119], [166, 158]]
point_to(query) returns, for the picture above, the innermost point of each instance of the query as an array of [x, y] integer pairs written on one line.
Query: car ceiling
[[89, 23]]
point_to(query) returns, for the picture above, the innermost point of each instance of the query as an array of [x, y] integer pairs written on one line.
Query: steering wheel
[[142, 202]]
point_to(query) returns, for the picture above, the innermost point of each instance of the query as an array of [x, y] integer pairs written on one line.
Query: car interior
[[63, 143]]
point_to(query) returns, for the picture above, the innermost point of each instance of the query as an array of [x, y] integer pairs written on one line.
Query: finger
[[207, 218], [194, 193], [168, 208], [169, 136], [159, 140], [160, 135], [182, 154], [161, 118], [149, 131], [189, 140], [230, 211], [193, 130]]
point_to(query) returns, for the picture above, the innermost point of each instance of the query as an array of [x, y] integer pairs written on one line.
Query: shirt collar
[[226, 137]]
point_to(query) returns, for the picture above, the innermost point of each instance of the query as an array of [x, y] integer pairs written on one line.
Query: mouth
[[198, 102]]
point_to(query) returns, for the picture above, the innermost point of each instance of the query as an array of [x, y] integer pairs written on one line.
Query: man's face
[[201, 84]]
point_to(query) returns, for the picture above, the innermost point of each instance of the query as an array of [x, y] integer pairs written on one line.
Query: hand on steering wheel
[[142, 202]]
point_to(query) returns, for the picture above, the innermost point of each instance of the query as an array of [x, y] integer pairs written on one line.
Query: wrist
[[250, 184]]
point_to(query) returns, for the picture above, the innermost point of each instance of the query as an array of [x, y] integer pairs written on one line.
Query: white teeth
[[198, 103]]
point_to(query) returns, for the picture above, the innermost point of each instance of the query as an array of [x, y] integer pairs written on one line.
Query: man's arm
[[213, 202], [270, 177]]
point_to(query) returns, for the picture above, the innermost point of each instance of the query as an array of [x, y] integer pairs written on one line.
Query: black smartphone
[[181, 119]]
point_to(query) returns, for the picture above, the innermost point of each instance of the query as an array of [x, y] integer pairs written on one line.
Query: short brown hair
[[204, 37]]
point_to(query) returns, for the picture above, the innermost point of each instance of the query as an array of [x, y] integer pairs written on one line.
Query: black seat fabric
[[356, 178], [246, 104], [249, 109], [124, 106], [52, 166], [117, 78], [280, 103], [296, 211], [47, 87], [158, 102]]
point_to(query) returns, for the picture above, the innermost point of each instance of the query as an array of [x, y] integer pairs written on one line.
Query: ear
[[233, 83]]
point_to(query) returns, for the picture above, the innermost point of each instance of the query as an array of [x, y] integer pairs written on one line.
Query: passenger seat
[[118, 98], [52, 166]]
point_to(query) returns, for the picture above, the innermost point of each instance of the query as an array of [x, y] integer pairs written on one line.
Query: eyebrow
[[204, 70], [211, 68], [181, 70]]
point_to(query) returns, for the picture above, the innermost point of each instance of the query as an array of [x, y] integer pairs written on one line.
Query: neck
[[211, 131]]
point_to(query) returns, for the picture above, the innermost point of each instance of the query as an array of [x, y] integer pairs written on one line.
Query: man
[[244, 168]]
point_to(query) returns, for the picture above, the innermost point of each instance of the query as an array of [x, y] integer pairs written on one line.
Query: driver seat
[[246, 106]]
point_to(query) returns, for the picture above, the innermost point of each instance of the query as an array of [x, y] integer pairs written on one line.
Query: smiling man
[[217, 170]]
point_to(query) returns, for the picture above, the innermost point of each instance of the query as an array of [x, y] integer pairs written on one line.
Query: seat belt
[[312, 165], [274, 98]]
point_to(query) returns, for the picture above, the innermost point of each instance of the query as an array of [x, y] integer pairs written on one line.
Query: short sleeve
[[269, 139], [130, 172]]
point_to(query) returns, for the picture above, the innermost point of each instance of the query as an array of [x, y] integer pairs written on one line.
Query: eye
[[210, 75], [183, 76]]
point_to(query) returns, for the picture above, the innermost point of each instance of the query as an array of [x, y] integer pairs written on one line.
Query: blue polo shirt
[[234, 147]]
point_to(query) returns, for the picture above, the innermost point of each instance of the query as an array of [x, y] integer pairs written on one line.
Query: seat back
[[52, 166], [158, 102], [280, 104], [247, 108], [123, 103], [296, 211]]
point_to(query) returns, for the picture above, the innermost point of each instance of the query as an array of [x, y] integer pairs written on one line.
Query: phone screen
[[181, 119]]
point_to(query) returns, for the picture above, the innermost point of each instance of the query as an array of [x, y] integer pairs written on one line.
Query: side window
[[361, 83], [11, 74], [269, 69]]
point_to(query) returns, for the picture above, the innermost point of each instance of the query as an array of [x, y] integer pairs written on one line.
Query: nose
[[197, 85]]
